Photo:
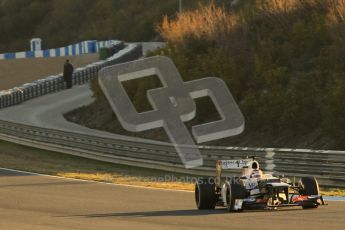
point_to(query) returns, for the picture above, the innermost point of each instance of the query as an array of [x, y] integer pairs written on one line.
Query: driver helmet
[[256, 173]]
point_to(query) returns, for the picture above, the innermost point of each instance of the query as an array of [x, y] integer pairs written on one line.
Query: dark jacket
[[68, 71]]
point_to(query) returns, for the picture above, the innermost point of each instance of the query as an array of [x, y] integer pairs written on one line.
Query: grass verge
[[57, 164], [52, 163]]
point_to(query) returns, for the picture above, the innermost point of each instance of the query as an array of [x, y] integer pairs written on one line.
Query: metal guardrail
[[327, 166]]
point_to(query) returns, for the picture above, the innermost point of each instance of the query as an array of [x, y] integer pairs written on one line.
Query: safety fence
[[56, 83], [85, 47], [327, 166]]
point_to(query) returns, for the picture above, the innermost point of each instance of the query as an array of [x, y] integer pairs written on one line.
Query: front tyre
[[205, 195], [309, 186], [234, 191]]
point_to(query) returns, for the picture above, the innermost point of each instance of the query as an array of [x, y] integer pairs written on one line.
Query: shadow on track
[[190, 212]]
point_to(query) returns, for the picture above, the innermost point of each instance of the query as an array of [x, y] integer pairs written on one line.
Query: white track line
[[92, 181]]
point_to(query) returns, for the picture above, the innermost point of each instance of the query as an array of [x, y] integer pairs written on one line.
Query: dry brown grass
[[19, 71], [335, 8], [336, 11], [276, 7], [332, 192], [115, 178], [207, 22]]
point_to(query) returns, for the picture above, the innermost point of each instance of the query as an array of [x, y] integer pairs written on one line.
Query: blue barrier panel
[[91, 45], [73, 50], [46, 53], [10, 55], [29, 54], [66, 51], [57, 52], [81, 51]]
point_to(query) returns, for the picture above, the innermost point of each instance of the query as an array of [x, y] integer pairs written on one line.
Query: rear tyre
[[309, 186], [234, 191], [205, 195]]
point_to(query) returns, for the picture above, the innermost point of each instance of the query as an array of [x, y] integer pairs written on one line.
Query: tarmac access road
[[47, 112], [31, 201]]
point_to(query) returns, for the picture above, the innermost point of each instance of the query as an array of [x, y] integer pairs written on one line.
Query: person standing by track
[[67, 74]]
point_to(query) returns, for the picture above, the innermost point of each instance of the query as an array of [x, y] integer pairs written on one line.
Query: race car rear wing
[[231, 164], [234, 164]]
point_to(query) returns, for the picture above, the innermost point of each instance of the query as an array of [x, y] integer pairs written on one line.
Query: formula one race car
[[254, 189]]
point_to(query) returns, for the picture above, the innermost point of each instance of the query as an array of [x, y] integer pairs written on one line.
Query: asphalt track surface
[[41, 202], [47, 112]]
